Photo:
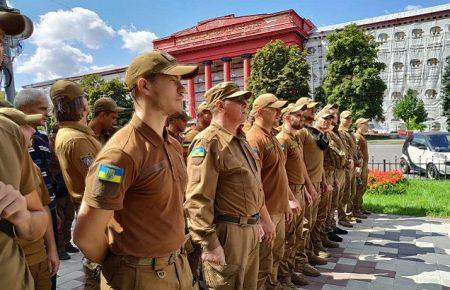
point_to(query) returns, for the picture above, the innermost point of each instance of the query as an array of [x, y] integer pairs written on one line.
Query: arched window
[[383, 37], [431, 94], [415, 63], [432, 62], [399, 35], [311, 50], [435, 30], [398, 66], [417, 33], [396, 95]]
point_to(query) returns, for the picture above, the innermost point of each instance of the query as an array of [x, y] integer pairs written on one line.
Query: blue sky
[[77, 36]]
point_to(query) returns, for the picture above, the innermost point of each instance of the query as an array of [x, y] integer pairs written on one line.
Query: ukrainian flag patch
[[198, 152], [110, 173]]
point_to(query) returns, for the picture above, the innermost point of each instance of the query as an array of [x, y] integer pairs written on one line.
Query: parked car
[[427, 152]]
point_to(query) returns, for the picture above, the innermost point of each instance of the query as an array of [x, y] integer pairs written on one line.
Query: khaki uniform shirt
[[16, 169], [351, 143], [142, 178], [293, 152], [273, 171], [34, 251], [76, 147], [312, 155], [224, 177], [362, 145], [337, 151]]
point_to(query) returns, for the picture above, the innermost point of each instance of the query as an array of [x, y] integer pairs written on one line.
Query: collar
[[149, 133], [224, 133], [290, 134], [77, 126], [266, 132], [342, 128]]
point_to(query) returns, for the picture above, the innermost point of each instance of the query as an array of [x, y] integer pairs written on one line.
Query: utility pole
[[7, 69]]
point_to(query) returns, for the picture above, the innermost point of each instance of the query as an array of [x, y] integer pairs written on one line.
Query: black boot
[[333, 237], [339, 231]]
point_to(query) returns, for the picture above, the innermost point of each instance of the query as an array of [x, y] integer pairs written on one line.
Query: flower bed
[[389, 182]]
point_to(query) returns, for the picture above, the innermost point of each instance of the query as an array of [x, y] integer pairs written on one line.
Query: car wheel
[[404, 166], [433, 172]]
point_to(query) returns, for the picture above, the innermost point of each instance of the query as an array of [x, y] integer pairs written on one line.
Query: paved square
[[383, 252]]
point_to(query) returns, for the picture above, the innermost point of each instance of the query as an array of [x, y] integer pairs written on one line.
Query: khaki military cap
[[5, 104], [267, 101], [361, 121], [12, 23], [324, 113], [20, 118], [156, 62], [223, 91], [66, 89], [180, 115], [346, 114], [107, 104], [331, 106], [292, 108], [306, 101], [202, 107]]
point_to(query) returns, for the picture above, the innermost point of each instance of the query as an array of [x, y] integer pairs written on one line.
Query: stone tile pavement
[[384, 252]]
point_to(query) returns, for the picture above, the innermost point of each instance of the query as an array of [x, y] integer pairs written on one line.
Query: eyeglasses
[[239, 100]]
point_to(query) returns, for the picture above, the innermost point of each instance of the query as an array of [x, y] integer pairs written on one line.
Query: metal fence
[[433, 169]]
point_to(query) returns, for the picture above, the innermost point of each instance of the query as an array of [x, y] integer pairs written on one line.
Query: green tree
[[319, 95], [445, 90], [411, 110], [280, 69], [352, 79]]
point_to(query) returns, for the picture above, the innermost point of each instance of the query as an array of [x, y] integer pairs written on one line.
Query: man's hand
[[260, 232], [350, 164], [216, 256], [13, 205], [289, 216], [269, 230], [295, 206], [308, 197], [53, 262]]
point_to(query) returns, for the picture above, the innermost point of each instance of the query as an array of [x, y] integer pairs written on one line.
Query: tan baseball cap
[[324, 113], [361, 121], [267, 101], [223, 91], [180, 115], [106, 104], [67, 89], [346, 114], [156, 62], [292, 108], [20, 118], [12, 23], [202, 107], [306, 101], [331, 106]]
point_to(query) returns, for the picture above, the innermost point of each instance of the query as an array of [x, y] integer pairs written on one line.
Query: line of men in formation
[[255, 200]]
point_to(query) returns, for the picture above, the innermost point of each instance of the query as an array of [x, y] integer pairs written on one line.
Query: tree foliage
[[445, 90], [280, 69], [411, 110], [352, 79]]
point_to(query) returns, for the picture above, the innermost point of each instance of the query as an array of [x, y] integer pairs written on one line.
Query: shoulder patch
[[255, 150], [110, 173], [282, 146], [87, 159], [198, 152]]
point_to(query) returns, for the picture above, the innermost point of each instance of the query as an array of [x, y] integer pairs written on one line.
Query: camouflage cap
[[12, 23], [331, 106], [20, 118], [306, 101], [223, 91], [156, 62], [324, 114], [361, 121], [267, 101], [180, 115], [345, 114], [66, 89], [106, 104], [202, 107]]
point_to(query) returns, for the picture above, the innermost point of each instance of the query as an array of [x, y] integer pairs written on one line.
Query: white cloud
[[96, 67], [412, 7], [137, 41], [60, 37]]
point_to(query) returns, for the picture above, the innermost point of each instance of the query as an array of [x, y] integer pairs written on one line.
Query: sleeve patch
[[110, 173], [198, 152], [87, 160]]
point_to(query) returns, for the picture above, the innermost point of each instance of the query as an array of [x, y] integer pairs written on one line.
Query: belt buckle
[[243, 220]]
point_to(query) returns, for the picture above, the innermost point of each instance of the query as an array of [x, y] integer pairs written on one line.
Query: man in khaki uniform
[[278, 196], [76, 147], [106, 112], [298, 179], [131, 219], [176, 125], [344, 208], [203, 120], [225, 194], [22, 213], [313, 156], [361, 129]]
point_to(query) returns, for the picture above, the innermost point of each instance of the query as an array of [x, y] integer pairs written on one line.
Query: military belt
[[154, 263], [296, 187], [241, 220], [7, 228]]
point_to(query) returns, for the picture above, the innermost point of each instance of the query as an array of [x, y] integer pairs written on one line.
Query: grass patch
[[386, 142], [422, 198]]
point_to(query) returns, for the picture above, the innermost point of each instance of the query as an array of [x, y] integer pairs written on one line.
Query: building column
[[208, 80], [246, 58], [226, 69], [191, 96]]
